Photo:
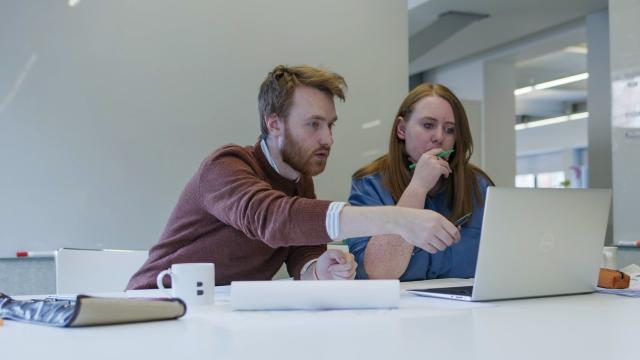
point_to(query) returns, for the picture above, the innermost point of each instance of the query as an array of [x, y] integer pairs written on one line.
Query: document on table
[[315, 295]]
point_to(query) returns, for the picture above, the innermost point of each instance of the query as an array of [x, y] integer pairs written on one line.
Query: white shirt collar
[[267, 154]]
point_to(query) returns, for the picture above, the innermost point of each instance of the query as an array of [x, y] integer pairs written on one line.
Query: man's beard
[[301, 160]]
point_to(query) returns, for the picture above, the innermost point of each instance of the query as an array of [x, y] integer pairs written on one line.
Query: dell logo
[[547, 242]]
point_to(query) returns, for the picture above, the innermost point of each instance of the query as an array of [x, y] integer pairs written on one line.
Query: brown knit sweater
[[240, 214]]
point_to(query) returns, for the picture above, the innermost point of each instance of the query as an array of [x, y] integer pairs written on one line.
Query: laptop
[[536, 242]]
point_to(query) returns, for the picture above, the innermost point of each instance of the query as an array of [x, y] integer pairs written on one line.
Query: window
[[554, 179], [526, 181]]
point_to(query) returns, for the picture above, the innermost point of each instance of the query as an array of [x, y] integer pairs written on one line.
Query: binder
[[87, 310]]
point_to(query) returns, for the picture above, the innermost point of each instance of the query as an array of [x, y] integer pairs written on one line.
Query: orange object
[[613, 279], [1, 322]]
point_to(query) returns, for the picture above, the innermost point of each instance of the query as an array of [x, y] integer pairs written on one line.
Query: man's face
[[308, 131]]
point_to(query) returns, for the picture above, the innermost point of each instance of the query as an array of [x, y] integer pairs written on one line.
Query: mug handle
[[161, 276]]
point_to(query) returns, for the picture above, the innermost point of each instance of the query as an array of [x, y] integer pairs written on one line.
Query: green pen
[[441, 154]]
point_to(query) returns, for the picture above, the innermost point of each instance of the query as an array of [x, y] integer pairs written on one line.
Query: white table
[[595, 326]]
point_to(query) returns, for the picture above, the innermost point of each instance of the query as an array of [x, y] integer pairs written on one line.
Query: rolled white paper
[[315, 295]]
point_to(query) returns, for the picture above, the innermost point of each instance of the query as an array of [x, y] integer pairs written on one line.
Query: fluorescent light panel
[[523, 90], [553, 120], [576, 49], [552, 83]]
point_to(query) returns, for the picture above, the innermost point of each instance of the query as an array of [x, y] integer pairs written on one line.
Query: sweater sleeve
[[298, 256], [232, 191]]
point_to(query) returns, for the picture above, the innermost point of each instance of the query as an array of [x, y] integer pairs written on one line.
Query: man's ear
[[401, 129], [273, 124]]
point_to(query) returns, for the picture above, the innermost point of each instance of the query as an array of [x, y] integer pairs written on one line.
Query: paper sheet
[[314, 295]]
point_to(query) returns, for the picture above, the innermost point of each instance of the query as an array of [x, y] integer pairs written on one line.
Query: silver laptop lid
[[540, 242]]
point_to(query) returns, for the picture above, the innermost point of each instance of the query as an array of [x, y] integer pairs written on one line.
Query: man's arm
[[387, 256], [425, 229], [232, 192]]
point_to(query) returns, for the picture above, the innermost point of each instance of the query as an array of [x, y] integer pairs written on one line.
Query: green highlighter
[[440, 155]]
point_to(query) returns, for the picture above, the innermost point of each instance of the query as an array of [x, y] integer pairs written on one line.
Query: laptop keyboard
[[457, 290]]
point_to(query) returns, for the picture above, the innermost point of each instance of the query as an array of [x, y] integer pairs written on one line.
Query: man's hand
[[428, 230], [335, 265]]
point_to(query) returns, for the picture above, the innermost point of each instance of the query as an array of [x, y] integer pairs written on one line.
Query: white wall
[[465, 79], [108, 107], [625, 64], [599, 99], [498, 133], [599, 105]]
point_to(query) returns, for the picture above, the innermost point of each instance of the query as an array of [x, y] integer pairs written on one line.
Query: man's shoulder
[[228, 157], [232, 150]]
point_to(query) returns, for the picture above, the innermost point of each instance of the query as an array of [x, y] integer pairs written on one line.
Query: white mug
[[194, 283], [610, 257]]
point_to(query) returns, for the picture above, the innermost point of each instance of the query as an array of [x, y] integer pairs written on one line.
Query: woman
[[418, 173]]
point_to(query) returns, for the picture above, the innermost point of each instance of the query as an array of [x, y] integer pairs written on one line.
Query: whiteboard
[[108, 107]]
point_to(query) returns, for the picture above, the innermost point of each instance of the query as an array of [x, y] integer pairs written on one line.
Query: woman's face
[[431, 125]]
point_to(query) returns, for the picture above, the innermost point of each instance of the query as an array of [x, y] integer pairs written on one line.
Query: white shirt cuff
[[307, 266], [332, 222]]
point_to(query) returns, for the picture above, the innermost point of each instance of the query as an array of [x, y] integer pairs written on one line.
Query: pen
[[441, 154], [462, 220], [35, 254], [456, 223], [628, 243]]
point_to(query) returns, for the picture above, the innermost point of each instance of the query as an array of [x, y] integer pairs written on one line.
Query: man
[[251, 209]]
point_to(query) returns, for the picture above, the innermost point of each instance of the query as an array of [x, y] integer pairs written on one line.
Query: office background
[[107, 108]]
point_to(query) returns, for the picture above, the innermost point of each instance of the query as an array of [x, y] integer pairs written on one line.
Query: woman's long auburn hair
[[461, 186]]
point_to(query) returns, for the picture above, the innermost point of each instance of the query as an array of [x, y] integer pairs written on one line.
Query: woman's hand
[[429, 169]]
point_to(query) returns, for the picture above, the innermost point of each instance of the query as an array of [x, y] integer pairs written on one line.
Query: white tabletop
[[595, 326]]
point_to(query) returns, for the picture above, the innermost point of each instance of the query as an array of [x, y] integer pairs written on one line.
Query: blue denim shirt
[[458, 260]]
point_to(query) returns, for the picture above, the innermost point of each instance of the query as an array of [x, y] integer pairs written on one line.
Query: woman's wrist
[[414, 196]]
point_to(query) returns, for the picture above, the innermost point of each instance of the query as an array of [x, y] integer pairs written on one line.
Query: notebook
[[89, 311], [536, 242]]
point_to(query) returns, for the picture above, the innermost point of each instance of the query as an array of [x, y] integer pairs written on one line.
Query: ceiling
[[507, 22], [557, 100]]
